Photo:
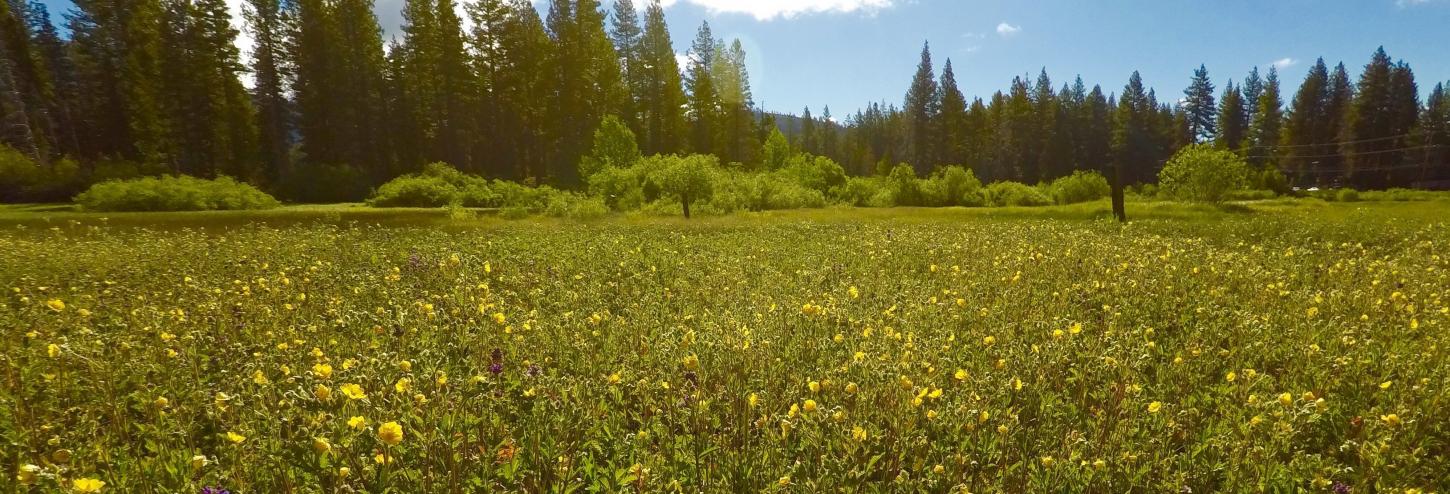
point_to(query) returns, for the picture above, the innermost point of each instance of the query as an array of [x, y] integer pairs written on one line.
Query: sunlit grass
[[1276, 345]]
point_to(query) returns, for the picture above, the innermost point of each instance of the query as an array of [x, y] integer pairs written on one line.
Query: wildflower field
[[1297, 347]]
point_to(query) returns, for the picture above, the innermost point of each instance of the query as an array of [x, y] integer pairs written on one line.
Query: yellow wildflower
[[390, 433]]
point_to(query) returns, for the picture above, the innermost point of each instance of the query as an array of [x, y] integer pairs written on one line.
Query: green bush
[[689, 179], [24, 180], [1347, 195], [1081, 186], [174, 193], [1015, 194], [1250, 195], [574, 206], [614, 147], [1203, 173], [413, 191], [815, 172], [905, 188], [439, 185], [961, 187]]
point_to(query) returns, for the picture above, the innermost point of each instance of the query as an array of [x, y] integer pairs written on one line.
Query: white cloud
[[766, 10], [1006, 30], [1410, 3], [1285, 62]]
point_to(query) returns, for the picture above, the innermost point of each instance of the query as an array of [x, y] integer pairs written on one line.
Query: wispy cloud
[[1007, 30], [1285, 62], [1411, 3], [766, 10]]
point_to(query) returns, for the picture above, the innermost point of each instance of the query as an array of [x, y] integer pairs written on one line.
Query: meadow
[[1276, 346]]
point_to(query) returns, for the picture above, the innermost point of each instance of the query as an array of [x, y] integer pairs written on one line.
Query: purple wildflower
[[496, 368], [1341, 488], [214, 490]]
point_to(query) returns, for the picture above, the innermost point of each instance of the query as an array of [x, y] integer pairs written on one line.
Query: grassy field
[[1275, 346]]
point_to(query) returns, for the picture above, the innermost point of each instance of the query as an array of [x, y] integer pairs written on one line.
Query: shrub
[[174, 193], [1250, 195], [1202, 173], [815, 172], [614, 147], [24, 180], [1015, 194], [905, 188], [439, 185], [1347, 195], [688, 179], [1271, 179], [574, 206], [416, 192], [775, 151], [860, 192], [961, 185], [621, 189], [1081, 186]]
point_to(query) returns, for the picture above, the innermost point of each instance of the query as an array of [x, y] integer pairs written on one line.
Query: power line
[[1348, 170], [1363, 153], [1341, 143]]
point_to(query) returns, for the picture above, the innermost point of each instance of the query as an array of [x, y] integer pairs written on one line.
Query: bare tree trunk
[[1119, 208]]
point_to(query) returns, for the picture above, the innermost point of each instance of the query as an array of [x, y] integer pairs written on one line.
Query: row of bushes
[[174, 193]]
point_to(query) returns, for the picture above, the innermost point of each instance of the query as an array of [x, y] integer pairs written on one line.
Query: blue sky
[[845, 53]]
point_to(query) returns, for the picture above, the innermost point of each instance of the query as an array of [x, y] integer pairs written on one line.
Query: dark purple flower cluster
[[1340, 488], [214, 490], [496, 367]]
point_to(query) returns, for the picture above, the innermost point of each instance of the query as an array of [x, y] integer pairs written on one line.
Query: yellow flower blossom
[[86, 484], [390, 433]]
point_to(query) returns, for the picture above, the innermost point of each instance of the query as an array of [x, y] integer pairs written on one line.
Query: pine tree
[[1097, 132], [806, 141], [704, 102], [24, 89], [265, 22], [627, 36], [1017, 129], [1435, 137], [1072, 123], [920, 111], [737, 139], [34, 105], [1232, 122], [512, 53], [1267, 123], [952, 118], [1133, 140], [1199, 105], [663, 99], [53, 56], [437, 84], [830, 146], [1377, 125], [1253, 89], [117, 56], [1136, 138], [1049, 159], [587, 85], [1336, 115], [1304, 124]]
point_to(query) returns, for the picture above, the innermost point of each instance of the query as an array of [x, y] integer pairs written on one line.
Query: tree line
[[1372, 133], [333, 110]]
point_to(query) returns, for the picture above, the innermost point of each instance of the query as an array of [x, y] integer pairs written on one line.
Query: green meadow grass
[[1289, 345]]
